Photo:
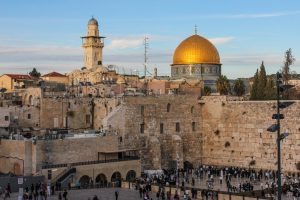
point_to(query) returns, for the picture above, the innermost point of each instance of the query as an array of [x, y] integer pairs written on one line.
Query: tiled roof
[[19, 76]]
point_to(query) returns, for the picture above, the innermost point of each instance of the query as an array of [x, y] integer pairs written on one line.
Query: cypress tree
[[262, 82], [254, 94]]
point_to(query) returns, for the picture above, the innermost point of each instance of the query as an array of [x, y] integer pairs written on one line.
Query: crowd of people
[[226, 179]]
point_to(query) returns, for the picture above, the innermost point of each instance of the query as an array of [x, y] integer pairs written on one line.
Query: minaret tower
[[92, 45]]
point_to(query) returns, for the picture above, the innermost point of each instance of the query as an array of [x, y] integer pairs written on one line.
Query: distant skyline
[[46, 34]]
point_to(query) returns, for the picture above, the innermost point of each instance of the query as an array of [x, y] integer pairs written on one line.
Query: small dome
[[196, 50], [93, 21]]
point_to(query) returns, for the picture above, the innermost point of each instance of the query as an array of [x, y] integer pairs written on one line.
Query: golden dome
[[196, 50]]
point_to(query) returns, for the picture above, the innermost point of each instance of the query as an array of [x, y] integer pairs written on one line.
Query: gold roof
[[196, 50]]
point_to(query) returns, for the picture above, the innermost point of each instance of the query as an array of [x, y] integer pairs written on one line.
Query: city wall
[[235, 134]]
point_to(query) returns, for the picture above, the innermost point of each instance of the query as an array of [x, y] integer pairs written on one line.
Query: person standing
[[117, 194]]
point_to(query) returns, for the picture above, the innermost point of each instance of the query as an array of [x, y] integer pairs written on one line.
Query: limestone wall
[[235, 133], [15, 152], [150, 112]]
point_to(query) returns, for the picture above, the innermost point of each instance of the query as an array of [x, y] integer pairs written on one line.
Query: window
[[6, 118], [194, 126], [177, 127], [87, 119], [142, 127], [168, 107], [142, 110], [161, 128], [29, 116]]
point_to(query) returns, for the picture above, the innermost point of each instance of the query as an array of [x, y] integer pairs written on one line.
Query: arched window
[[168, 107]]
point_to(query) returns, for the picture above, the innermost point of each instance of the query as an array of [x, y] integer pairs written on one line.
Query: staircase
[[65, 176]]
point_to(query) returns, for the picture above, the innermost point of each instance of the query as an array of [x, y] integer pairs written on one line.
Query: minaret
[[92, 45]]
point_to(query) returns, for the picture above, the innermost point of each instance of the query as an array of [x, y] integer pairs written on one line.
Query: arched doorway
[[116, 179], [101, 180], [130, 175], [84, 181], [17, 169], [30, 100]]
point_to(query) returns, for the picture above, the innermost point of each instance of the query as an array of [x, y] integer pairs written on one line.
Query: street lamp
[[276, 127]]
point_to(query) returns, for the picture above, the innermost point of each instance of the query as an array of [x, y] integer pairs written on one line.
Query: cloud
[[126, 42], [260, 15], [221, 40]]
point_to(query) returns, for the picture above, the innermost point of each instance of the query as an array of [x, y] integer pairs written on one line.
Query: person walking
[[117, 194]]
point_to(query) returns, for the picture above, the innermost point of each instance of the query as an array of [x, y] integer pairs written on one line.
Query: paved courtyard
[[102, 193]]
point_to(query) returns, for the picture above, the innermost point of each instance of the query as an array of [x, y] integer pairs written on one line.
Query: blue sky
[[46, 34]]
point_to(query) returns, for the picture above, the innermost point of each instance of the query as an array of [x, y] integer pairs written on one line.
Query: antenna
[[195, 29], [146, 45]]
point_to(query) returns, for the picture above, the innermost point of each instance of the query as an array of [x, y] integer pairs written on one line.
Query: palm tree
[[239, 87], [223, 86]]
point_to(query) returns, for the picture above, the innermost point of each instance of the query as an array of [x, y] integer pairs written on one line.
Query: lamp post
[[276, 127]]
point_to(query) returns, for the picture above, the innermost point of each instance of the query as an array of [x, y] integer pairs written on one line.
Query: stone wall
[[148, 113], [235, 133]]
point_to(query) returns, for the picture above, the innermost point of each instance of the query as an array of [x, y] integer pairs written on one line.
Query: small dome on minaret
[[93, 21]]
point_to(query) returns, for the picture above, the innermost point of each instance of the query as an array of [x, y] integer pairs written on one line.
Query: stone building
[[82, 157]]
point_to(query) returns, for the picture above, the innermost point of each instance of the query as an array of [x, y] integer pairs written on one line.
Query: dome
[[196, 50], [93, 21]]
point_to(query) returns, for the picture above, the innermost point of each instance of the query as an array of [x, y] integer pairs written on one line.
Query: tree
[[262, 82], [207, 91], [254, 94], [270, 91], [289, 60], [34, 73], [223, 86], [239, 87]]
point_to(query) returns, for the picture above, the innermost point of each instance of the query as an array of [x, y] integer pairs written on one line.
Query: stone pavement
[[102, 193]]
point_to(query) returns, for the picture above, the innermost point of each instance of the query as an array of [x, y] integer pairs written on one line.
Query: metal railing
[[49, 166]]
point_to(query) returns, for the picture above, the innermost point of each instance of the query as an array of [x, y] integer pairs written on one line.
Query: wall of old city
[[18, 156], [235, 133], [159, 147], [41, 152], [75, 113]]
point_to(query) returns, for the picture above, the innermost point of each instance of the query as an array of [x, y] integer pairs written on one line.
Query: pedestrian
[[95, 197], [59, 196], [65, 195], [117, 194]]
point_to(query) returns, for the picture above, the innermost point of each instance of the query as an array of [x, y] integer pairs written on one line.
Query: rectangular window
[[194, 126], [161, 128], [177, 127], [6, 118], [87, 119], [29, 116], [142, 127]]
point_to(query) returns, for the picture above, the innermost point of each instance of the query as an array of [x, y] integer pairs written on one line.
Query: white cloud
[[264, 15], [126, 42], [221, 40]]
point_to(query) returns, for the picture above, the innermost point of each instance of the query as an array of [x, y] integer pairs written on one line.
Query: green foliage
[[254, 88], [289, 60], [262, 82], [207, 91], [263, 88], [34, 73], [239, 87], [223, 86]]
